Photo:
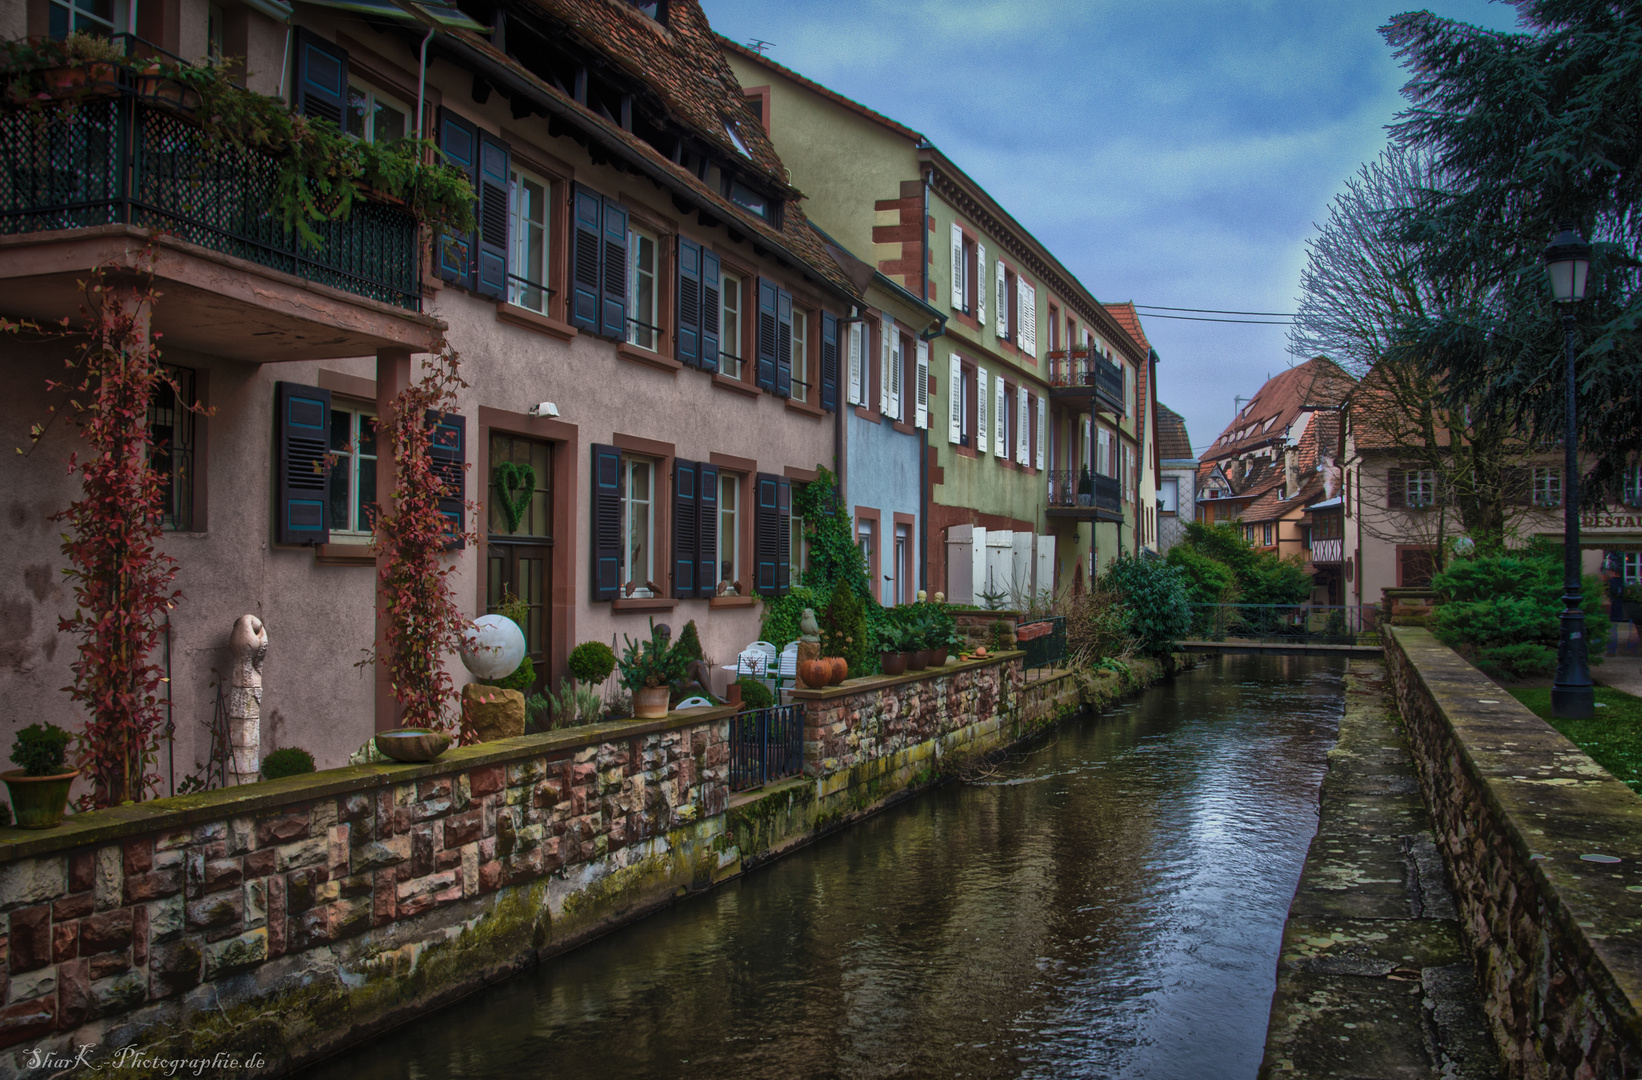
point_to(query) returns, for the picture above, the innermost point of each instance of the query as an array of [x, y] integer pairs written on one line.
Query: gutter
[[925, 494]]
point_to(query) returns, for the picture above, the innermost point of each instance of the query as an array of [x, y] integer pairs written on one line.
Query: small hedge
[[289, 761]]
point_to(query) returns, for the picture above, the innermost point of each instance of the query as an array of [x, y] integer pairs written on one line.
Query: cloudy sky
[[1169, 152]]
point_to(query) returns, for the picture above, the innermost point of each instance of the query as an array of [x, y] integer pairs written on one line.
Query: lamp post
[[1569, 261]]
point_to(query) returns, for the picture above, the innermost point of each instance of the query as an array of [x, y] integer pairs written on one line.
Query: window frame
[[518, 283], [729, 482], [725, 312], [1419, 480], [76, 12], [1009, 303], [628, 461], [799, 388], [635, 233], [1630, 486], [350, 458], [378, 97], [185, 458]]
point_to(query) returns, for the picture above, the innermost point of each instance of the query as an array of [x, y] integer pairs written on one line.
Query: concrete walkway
[[1374, 979], [1621, 673]]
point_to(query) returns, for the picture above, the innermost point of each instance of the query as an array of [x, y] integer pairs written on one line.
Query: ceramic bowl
[[412, 744]]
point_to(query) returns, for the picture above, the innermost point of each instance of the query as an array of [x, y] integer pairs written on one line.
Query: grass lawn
[[1613, 737]]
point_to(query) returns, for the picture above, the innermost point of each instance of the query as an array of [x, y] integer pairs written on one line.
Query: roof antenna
[[1237, 403], [758, 45]]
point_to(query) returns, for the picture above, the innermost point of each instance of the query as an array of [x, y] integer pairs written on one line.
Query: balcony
[[1331, 550], [97, 181], [1104, 503], [1086, 375]]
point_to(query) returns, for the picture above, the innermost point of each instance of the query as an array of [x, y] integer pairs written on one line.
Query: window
[[171, 429], [797, 548], [745, 197], [373, 116], [1547, 485], [527, 208], [1631, 567], [901, 567], [652, 9], [1008, 308], [866, 542], [1265, 533], [1248, 533], [636, 482], [729, 528], [1054, 327], [967, 406], [1631, 491], [1168, 495], [518, 552], [1129, 388], [215, 33], [92, 16], [641, 288], [1420, 487], [966, 287], [729, 323], [800, 355], [353, 472]]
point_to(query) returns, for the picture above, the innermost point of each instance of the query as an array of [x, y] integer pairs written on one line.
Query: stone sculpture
[[248, 646], [493, 647], [808, 628]]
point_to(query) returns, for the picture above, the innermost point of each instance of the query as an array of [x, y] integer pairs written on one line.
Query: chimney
[[1291, 470]]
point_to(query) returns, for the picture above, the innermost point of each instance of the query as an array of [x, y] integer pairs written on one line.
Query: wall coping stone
[[872, 683], [1573, 807], [179, 811]]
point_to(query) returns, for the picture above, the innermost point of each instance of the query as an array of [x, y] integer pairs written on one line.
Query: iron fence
[[766, 745], [1321, 624], [1044, 640], [1069, 370], [1105, 492], [121, 159]]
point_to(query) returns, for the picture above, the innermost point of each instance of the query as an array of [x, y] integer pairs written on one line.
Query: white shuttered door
[[980, 283], [955, 400], [921, 391], [981, 408]]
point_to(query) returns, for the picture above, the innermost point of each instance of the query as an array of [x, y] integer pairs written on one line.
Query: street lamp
[[1569, 261]]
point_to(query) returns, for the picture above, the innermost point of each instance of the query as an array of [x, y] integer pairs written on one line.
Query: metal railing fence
[[1044, 640], [766, 745], [1323, 624]]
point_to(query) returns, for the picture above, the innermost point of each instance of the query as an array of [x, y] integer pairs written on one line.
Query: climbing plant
[[833, 554]]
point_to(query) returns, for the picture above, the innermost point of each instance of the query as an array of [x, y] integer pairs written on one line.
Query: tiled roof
[[1319, 382], [1269, 507], [1126, 316], [1173, 444], [1383, 418], [831, 95]]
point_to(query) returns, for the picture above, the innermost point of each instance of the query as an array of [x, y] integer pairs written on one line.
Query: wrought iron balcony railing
[[1064, 495], [1083, 372], [120, 159]]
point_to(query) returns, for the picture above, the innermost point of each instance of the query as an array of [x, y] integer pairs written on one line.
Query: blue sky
[[1169, 152]]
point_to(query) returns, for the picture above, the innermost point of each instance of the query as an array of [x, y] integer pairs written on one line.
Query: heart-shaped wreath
[[517, 485]]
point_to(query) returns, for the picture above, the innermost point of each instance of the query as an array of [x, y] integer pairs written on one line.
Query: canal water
[[1107, 903]]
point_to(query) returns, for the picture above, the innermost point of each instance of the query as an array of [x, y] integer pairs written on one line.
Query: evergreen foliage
[[782, 613], [39, 749], [1502, 611], [844, 626], [754, 694], [833, 554], [688, 645], [288, 761], [592, 662], [1154, 592]]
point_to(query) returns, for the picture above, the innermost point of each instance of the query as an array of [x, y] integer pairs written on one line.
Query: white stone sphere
[[493, 646]]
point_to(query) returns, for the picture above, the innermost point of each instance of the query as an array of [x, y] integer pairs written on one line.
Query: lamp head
[[1568, 259]]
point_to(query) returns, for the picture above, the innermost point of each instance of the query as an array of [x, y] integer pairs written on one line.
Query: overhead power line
[[1205, 318], [1213, 311]]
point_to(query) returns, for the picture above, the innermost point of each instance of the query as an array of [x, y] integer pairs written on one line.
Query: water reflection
[[1108, 905]]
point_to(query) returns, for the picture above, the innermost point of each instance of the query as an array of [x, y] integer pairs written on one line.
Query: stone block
[[383, 896], [242, 835], [34, 881], [139, 934], [486, 780], [73, 993], [490, 713], [215, 912], [312, 851], [301, 888], [154, 885], [106, 931], [105, 964], [464, 828], [281, 829], [276, 916], [220, 874], [321, 816], [338, 837], [174, 968], [256, 903], [34, 984], [236, 953], [165, 918], [76, 906], [138, 855], [260, 863], [378, 854], [118, 994], [65, 941], [27, 1020], [355, 807], [30, 939]]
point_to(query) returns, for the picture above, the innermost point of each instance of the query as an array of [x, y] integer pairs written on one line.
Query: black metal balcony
[[1103, 502], [121, 159], [1085, 374]]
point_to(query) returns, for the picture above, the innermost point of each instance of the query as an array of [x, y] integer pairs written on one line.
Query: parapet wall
[[1516, 806]]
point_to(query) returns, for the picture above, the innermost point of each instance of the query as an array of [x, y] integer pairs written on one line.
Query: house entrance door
[[519, 539]]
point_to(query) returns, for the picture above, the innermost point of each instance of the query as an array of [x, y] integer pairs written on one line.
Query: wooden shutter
[[1023, 427], [980, 283], [490, 266], [766, 536], [767, 328], [829, 361], [587, 246], [1003, 301], [1000, 419], [955, 399], [783, 343], [447, 450], [857, 331], [921, 391], [1396, 490], [706, 530], [710, 301], [459, 140], [689, 303], [1029, 317], [321, 78], [886, 334], [957, 267], [783, 532], [302, 430], [983, 405], [606, 522], [613, 260], [1043, 434], [686, 534], [897, 378]]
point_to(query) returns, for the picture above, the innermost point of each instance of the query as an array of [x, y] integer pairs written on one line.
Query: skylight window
[[729, 129]]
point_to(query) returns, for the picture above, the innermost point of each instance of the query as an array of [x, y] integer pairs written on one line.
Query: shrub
[[779, 624], [288, 761], [538, 713], [39, 749], [574, 705], [1503, 612], [1154, 592], [592, 662], [650, 664], [844, 627], [688, 644], [1097, 626], [754, 694], [522, 679]]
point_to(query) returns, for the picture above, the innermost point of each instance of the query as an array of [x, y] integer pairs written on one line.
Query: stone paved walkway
[[1374, 979]]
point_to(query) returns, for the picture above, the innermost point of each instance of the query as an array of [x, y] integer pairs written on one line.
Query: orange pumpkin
[[814, 673], [840, 670]]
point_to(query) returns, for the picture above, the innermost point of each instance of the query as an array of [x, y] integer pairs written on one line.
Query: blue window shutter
[[606, 522], [495, 161], [689, 302], [685, 532], [613, 297], [783, 533], [767, 333], [707, 529], [587, 244], [766, 533], [302, 430], [321, 81], [709, 310], [829, 361], [460, 142], [448, 450], [783, 344]]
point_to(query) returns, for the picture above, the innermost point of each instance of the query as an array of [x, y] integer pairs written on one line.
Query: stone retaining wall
[[1557, 939]]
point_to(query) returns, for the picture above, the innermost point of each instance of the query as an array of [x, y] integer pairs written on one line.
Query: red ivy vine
[[423, 622]]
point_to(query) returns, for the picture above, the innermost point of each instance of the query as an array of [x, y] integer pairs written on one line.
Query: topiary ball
[[289, 761], [754, 694], [591, 662]]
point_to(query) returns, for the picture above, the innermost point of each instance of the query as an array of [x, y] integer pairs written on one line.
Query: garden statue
[[248, 644], [922, 595], [493, 647], [808, 628]]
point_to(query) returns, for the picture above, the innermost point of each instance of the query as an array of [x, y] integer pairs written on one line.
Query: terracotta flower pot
[[893, 663], [840, 671], [732, 694], [650, 702], [938, 659], [919, 660], [38, 802]]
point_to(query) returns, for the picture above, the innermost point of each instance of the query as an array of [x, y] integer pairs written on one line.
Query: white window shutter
[[1029, 317], [1003, 302], [886, 333], [980, 283], [1000, 420], [1023, 428], [922, 390], [981, 408], [955, 400], [1088, 448], [856, 356], [957, 267], [896, 382], [1043, 430]]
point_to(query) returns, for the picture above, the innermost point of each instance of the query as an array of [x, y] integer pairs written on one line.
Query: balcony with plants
[[1082, 374], [1084, 496]]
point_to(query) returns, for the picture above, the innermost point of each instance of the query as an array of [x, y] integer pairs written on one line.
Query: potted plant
[[39, 790], [890, 639], [1086, 487], [649, 669]]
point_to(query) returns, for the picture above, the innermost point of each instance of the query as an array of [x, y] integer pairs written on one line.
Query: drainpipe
[[422, 82], [924, 499], [838, 449]]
